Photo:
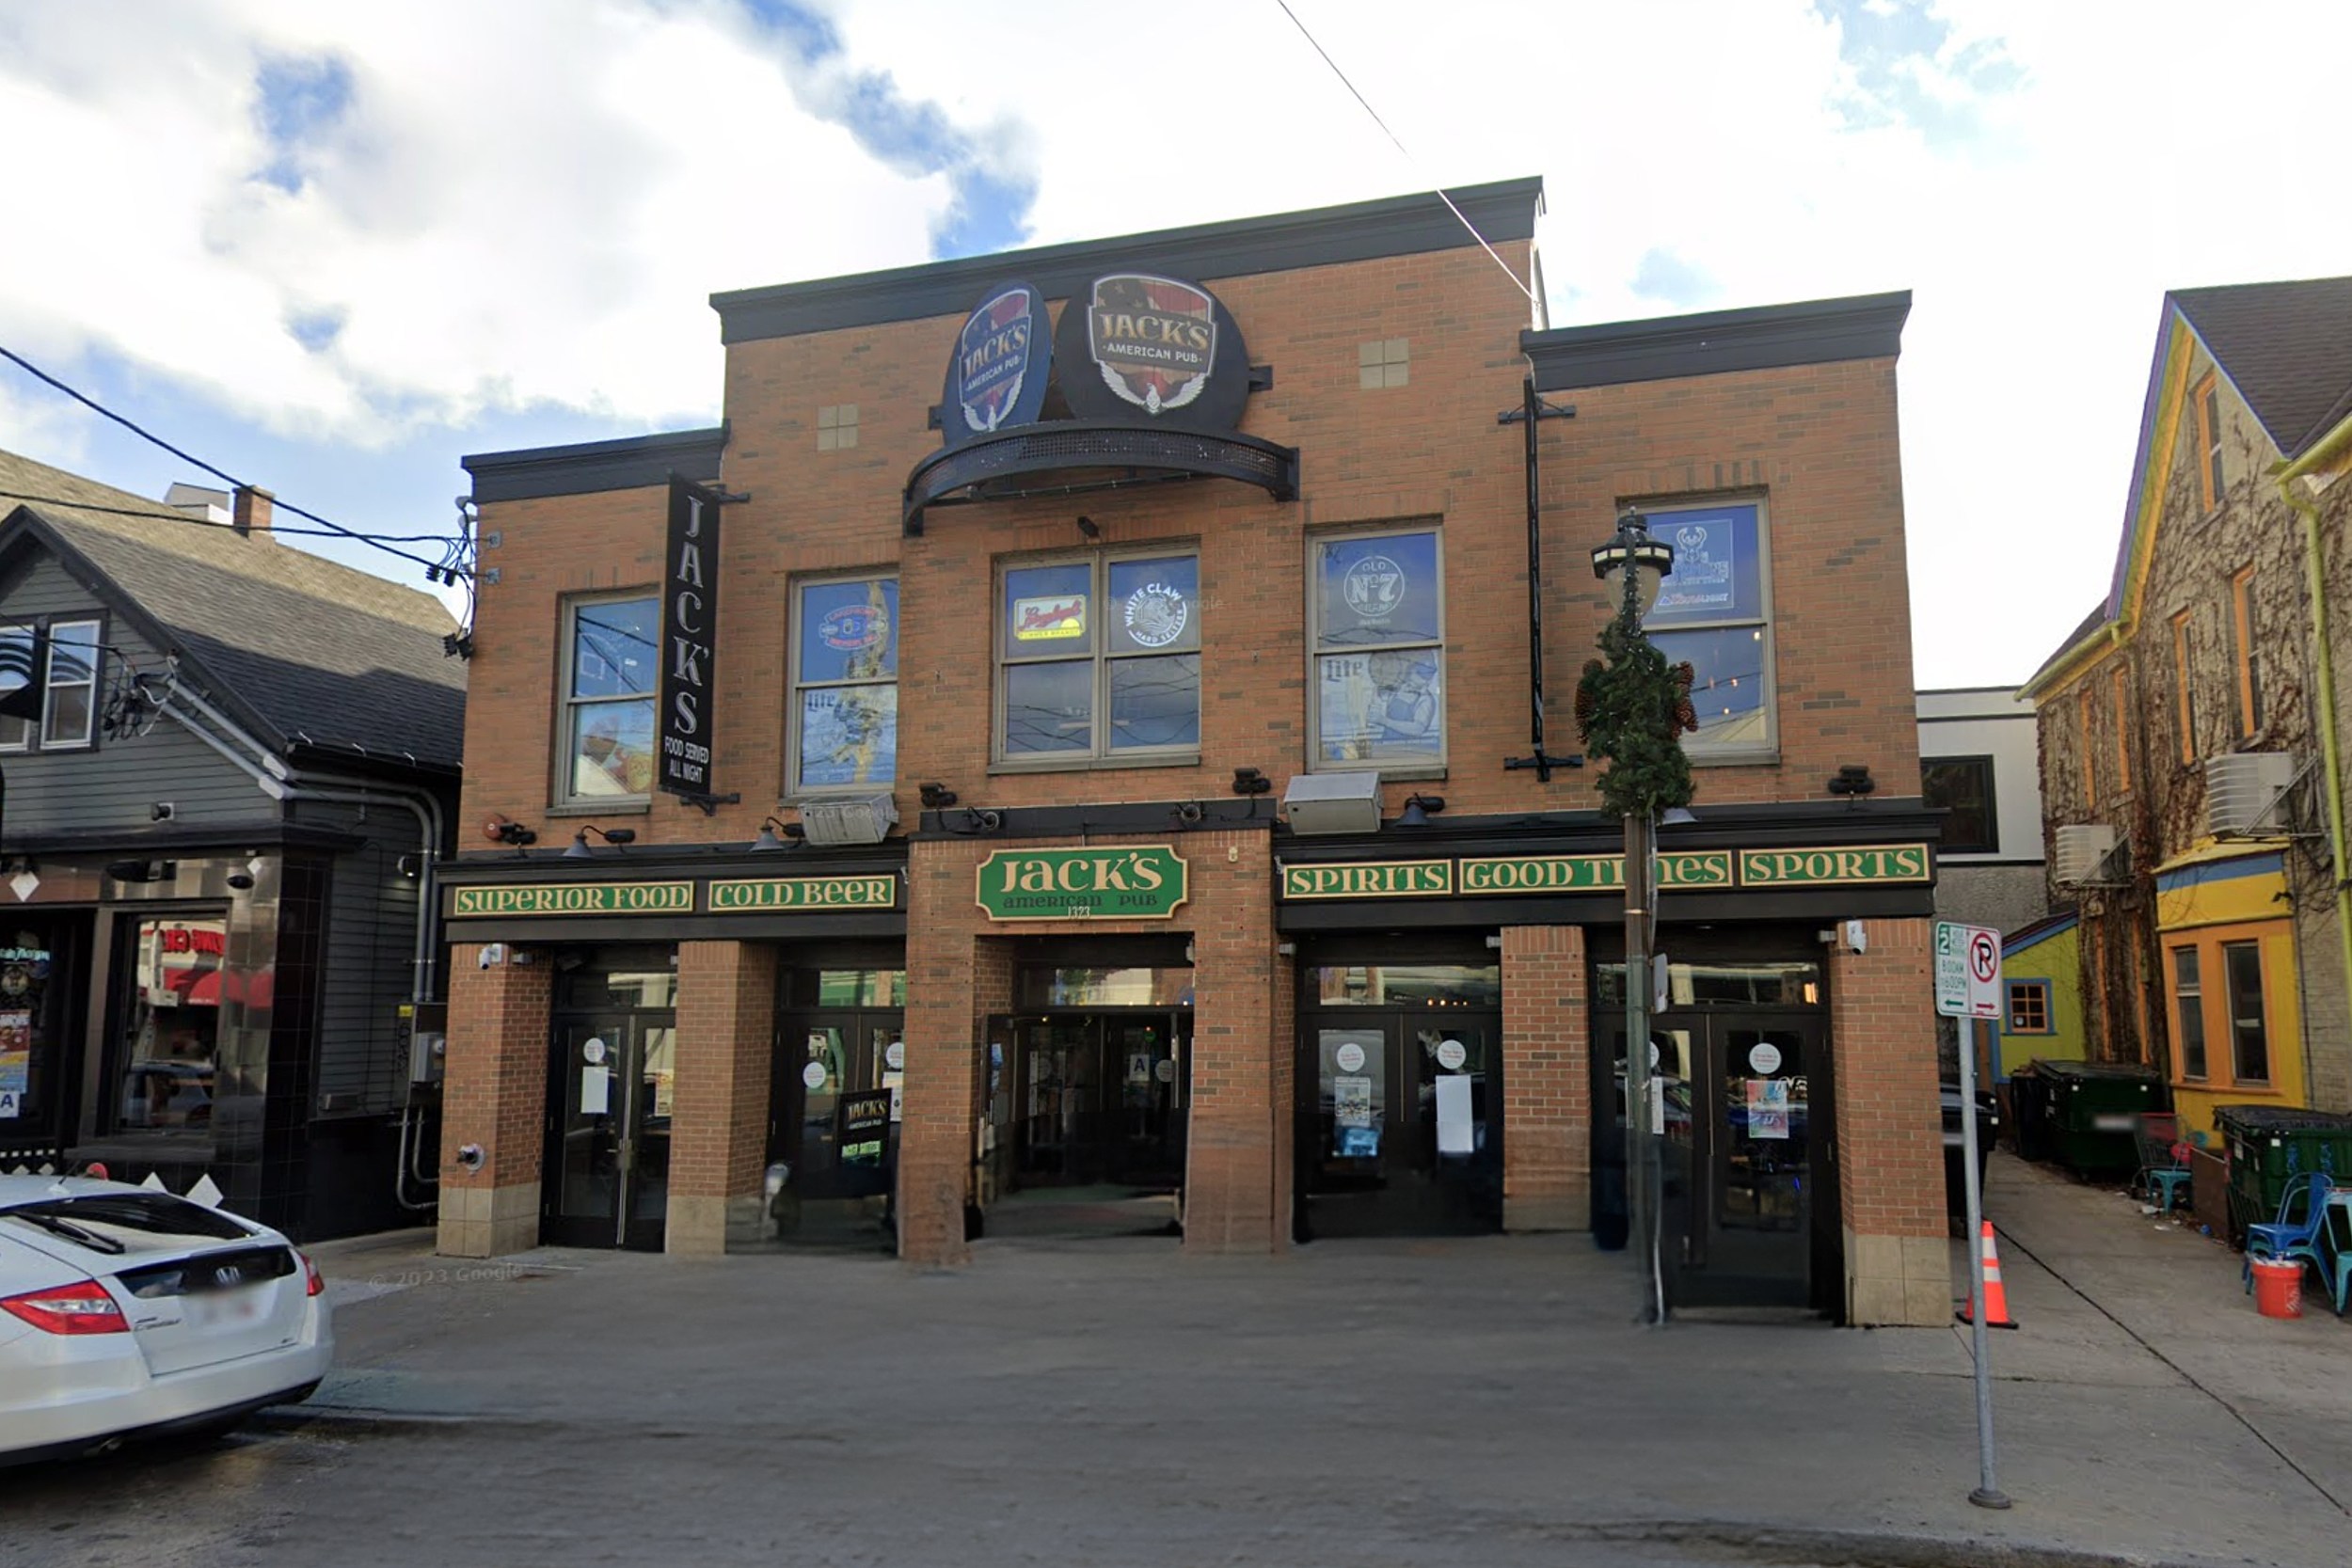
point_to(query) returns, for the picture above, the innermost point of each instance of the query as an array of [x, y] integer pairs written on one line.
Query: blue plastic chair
[[2163, 1176], [2288, 1238]]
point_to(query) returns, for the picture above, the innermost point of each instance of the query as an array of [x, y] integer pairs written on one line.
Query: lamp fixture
[[1419, 809], [1853, 781], [1089, 527], [1633, 549], [778, 835], [937, 797], [1678, 816], [500, 830], [1249, 780], [1187, 815], [617, 837], [162, 810]]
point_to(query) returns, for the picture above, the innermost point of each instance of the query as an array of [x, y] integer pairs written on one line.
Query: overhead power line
[[1402, 148], [448, 567], [162, 512]]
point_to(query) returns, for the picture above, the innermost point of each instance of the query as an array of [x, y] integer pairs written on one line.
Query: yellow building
[[2041, 996]]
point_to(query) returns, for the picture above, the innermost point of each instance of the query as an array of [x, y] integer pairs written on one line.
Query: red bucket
[[2278, 1288]]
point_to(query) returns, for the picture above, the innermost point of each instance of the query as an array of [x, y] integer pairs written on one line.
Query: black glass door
[[1399, 1125], [608, 1163], [837, 1096]]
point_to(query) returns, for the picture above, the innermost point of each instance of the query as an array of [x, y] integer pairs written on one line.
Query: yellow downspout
[[2314, 567]]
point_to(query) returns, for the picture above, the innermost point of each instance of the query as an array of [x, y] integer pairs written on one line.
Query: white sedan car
[[127, 1312]]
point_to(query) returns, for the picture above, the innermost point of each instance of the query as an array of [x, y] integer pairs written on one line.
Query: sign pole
[[1967, 985]]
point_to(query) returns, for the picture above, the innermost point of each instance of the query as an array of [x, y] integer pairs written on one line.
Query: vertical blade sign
[[689, 638]]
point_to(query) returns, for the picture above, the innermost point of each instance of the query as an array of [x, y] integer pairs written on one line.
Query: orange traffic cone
[[1995, 1298]]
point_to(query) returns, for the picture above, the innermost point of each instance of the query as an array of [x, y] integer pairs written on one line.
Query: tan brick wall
[[724, 1064], [1890, 1140], [1546, 1080], [494, 1094]]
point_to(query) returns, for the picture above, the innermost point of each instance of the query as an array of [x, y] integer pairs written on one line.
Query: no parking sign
[[1967, 970]]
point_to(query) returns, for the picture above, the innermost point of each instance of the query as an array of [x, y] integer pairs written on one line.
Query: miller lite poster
[[998, 375]]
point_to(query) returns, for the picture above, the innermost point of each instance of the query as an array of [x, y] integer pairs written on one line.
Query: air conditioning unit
[[2241, 792], [2084, 852]]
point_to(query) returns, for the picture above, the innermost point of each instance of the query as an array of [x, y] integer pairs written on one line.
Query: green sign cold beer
[[1114, 882]]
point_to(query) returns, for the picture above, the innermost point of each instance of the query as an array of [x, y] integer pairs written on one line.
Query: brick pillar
[[1890, 1138], [494, 1094], [947, 1072], [1237, 1169], [726, 1009], [1546, 1080]]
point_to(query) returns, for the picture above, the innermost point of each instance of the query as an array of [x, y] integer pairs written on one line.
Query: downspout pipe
[[2332, 750]]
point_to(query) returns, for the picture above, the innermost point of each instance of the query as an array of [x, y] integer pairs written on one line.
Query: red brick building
[[1095, 782]]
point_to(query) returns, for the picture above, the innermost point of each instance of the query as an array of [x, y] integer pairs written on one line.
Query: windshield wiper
[[58, 1226]]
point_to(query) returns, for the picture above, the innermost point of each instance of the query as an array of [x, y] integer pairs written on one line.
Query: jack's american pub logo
[[995, 357], [1154, 338]]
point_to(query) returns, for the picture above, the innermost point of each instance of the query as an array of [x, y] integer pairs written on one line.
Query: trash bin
[[2029, 1112], [2271, 1144], [2278, 1288], [2093, 1113]]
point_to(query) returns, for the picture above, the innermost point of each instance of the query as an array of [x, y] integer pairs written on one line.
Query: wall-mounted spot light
[[241, 880], [1419, 809], [1186, 816], [502, 829], [617, 837], [1249, 780], [1853, 781], [937, 797], [1089, 527], [162, 810], [778, 835]]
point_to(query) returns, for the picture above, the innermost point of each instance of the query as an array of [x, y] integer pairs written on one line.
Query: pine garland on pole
[[1631, 710]]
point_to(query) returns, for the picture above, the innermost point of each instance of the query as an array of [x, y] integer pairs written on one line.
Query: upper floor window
[[2189, 1013], [2184, 702], [845, 683], [1099, 658], [1714, 613], [69, 713], [2119, 690], [612, 666], [1963, 788], [2207, 397], [2086, 738], [2249, 686], [1377, 614]]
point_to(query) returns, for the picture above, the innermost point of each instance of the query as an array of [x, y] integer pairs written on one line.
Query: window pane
[[1407, 985], [1963, 786], [1380, 590], [171, 1024], [1728, 688], [614, 648], [1718, 574], [72, 652], [1047, 614], [68, 722], [1155, 702], [1155, 605], [850, 630], [1049, 707], [2250, 1039], [1372, 706], [16, 671], [611, 750], [2190, 1012], [849, 736]]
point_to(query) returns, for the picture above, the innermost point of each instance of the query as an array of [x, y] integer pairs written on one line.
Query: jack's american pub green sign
[[1143, 881]]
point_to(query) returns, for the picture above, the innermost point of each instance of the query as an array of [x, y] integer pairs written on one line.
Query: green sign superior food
[[574, 898], [1115, 882]]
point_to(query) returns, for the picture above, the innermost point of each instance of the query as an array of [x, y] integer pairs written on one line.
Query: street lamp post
[[1629, 709]]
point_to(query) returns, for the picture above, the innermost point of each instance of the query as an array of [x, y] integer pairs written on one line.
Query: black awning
[[1072, 457]]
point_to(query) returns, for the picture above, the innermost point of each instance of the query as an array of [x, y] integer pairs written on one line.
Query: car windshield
[[115, 1223]]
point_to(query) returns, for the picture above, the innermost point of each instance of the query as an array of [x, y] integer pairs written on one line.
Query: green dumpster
[[2093, 1113], [2271, 1144]]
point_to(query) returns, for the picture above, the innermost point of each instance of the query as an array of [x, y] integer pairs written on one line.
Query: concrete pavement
[[1480, 1401]]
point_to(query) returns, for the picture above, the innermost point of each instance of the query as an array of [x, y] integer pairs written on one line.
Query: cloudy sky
[[331, 248]]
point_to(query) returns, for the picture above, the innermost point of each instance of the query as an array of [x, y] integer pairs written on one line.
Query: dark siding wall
[[113, 785], [370, 937]]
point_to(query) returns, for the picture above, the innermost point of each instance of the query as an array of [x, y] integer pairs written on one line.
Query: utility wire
[[436, 569], [162, 512], [1401, 147]]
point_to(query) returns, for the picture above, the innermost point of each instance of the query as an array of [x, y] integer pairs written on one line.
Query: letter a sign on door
[[1967, 970]]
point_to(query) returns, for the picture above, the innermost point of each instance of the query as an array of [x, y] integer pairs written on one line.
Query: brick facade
[[725, 1055], [1546, 1046], [494, 1097], [1890, 1139]]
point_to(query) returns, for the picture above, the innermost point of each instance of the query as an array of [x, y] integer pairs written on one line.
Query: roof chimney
[[251, 509]]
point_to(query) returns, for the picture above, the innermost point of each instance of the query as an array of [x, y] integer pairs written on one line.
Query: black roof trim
[[1504, 210], [631, 463], [1769, 336]]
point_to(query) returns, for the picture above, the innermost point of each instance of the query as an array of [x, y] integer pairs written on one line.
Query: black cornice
[[1770, 337], [1360, 231], [629, 464]]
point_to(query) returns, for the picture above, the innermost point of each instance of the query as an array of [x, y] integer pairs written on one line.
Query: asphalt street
[[1482, 1401]]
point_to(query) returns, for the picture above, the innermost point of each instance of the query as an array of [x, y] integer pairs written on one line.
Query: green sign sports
[[804, 893], [1884, 862], [574, 899], [1142, 881]]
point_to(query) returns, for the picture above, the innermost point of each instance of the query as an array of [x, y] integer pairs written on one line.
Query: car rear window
[[127, 1222]]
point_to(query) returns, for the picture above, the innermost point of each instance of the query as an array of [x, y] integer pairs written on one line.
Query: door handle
[[626, 1154]]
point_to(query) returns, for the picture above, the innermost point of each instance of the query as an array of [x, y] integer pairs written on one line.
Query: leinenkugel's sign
[[1505, 876], [690, 640], [1116, 882]]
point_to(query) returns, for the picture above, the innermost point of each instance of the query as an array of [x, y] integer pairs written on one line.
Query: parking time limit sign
[[1967, 970]]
